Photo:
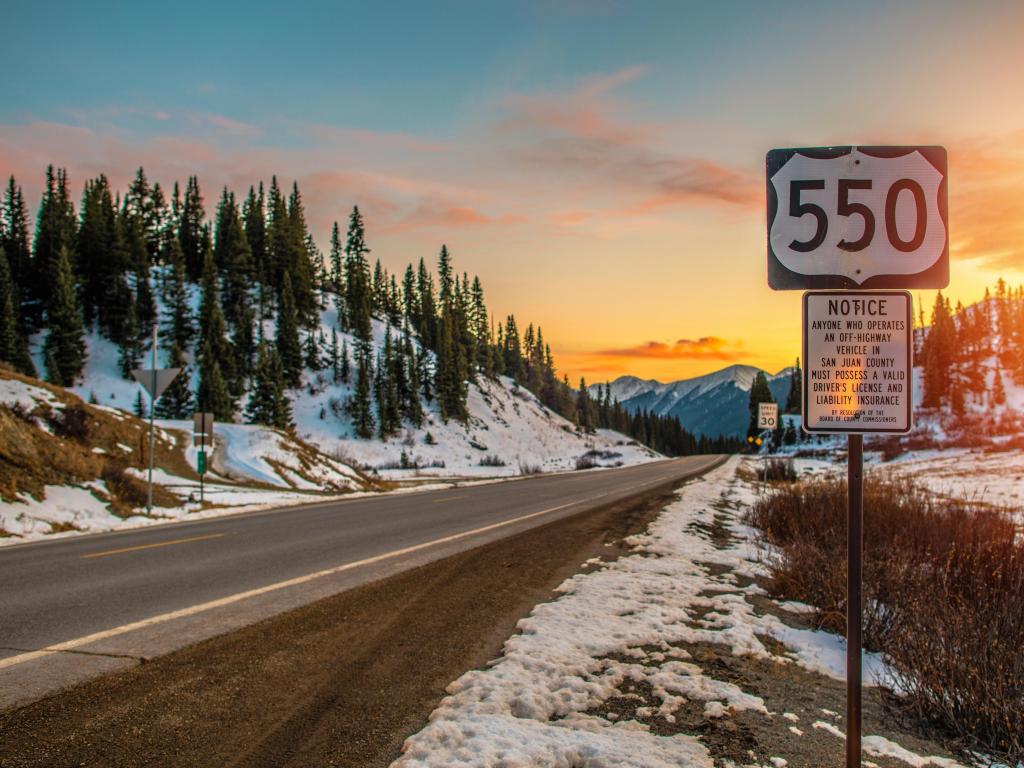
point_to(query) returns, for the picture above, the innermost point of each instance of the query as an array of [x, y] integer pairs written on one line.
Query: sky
[[600, 165]]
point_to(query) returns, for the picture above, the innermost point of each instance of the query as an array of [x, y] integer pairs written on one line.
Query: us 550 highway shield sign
[[857, 218]]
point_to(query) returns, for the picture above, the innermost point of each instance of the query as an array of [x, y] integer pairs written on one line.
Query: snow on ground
[[69, 510], [992, 477], [14, 393], [64, 506], [540, 702]]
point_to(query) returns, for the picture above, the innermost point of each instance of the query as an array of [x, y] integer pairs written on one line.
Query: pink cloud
[[588, 135], [704, 348], [224, 123]]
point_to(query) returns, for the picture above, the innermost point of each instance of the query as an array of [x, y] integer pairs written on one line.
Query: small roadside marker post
[[154, 381], [202, 436], [856, 220]]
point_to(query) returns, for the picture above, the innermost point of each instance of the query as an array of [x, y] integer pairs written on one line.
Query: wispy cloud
[[599, 145]]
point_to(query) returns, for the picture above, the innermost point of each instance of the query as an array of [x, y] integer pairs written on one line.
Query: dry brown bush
[[944, 597]]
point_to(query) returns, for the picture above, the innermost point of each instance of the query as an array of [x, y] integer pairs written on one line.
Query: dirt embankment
[[60, 440]]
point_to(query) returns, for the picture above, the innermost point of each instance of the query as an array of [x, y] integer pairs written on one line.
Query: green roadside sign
[[202, 462]]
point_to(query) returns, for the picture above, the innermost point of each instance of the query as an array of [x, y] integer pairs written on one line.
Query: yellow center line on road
[[152, 546]]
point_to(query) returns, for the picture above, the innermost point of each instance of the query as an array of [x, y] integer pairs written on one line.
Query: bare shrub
[[779, 470], [942, 586], [129, 493], [492, 460], [71, 422], [954, 645], [526, 468], [586, 461]]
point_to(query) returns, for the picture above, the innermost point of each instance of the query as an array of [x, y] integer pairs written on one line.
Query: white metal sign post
[[154, 380], [858, 219]]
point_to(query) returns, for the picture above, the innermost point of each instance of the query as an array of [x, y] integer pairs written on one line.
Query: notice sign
[[857, 361]]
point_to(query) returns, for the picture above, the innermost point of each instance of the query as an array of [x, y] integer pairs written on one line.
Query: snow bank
[[632, 620]]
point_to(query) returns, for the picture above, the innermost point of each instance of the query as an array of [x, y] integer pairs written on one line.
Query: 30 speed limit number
[[857, 218]]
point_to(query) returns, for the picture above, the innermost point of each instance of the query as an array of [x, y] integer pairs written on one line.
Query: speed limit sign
[[767, 415], [857, 218]]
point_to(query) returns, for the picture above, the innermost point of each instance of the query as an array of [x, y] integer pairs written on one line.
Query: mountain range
[[712, 404]]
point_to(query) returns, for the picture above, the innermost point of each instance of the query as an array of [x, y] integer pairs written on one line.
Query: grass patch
[[943, 587]]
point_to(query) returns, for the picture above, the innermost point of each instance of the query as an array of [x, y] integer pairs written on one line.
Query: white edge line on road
[[68, 645]]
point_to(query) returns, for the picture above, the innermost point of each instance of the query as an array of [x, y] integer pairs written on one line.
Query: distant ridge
[[712, 404]]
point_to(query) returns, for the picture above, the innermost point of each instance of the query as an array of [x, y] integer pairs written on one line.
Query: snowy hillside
[[509, 432], [712, 404]]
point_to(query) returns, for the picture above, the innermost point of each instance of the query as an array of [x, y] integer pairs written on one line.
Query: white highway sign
[[767, 415], [857, 361], [857, 218]]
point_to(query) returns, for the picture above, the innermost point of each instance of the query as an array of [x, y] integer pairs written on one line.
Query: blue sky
[[593, 162]]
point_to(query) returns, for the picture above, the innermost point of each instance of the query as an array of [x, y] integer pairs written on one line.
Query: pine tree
[[358, 301], [939, 351], [176, 401], [346, 365], [233, 258], [451, 372], [302, 259], [584, 409], [55, 229], [130, 349], [268, 403], [193, 235], [255, 216], [216, 355], [178, 326], [102, 258], [410, 298], [140, 409], [512, 353], [287, 338], [427, 307], [998, 390], [388, 409], [446, 282], [313, 360], [213, 395], [361, 404], [64, 348], [759, 393], [794, 400], [409, 390], [15, 240], [13, 339], [336, 276], [334, 358]]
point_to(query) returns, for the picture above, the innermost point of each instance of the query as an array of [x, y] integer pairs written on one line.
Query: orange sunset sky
[[599, 165]]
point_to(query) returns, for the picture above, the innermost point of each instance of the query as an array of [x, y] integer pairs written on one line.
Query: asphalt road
[[78, 607]]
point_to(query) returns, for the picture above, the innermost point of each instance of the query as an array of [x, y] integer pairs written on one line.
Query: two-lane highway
[[76, 607]]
